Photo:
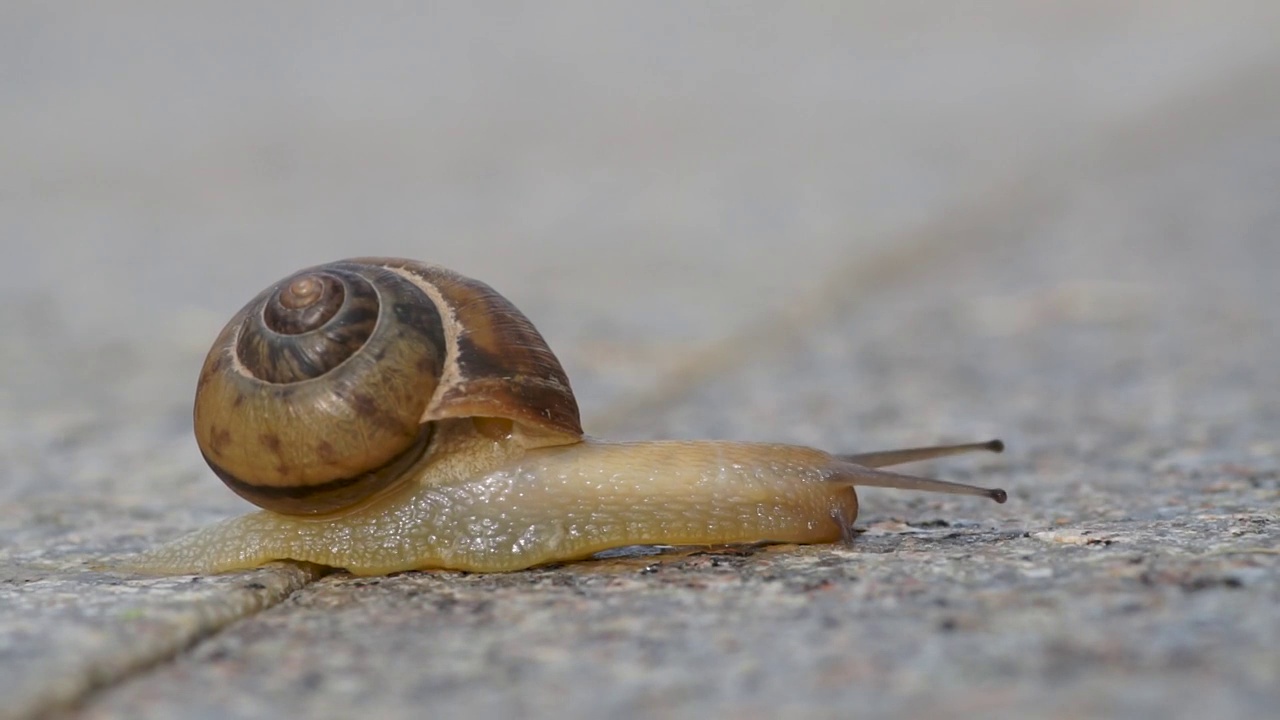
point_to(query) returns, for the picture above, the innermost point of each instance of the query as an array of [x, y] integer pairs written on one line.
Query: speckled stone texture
[[857, 227]]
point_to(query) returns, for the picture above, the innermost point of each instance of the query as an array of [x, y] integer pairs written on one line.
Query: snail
[[388, 415]]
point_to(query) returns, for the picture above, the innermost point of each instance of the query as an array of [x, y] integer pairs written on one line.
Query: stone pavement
[[855, 225]]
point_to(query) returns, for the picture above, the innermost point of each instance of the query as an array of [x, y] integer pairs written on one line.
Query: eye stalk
[[862, 472]]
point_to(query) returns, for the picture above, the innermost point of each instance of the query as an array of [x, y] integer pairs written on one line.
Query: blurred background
[[644, 180], [853, 224]]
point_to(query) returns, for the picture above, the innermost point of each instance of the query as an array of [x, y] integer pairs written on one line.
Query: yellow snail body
[[391, 415]]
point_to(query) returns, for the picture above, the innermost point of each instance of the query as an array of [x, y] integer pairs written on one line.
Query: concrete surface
[[852, 225]]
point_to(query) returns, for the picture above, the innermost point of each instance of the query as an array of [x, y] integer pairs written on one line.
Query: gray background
[[847, 224]]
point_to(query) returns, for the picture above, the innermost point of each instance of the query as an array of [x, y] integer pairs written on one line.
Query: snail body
[[391, 415]]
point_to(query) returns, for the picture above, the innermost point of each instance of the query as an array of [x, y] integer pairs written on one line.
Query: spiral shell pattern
[[314, 392], [324, 389]]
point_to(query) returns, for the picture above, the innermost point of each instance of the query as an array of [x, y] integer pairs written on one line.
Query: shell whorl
[[309, 325], [322, 390]]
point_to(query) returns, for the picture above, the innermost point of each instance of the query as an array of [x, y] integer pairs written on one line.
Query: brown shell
[[309, 403], [497, 364]]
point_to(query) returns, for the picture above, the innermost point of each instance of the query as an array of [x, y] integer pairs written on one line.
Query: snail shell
[[326, 386]]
